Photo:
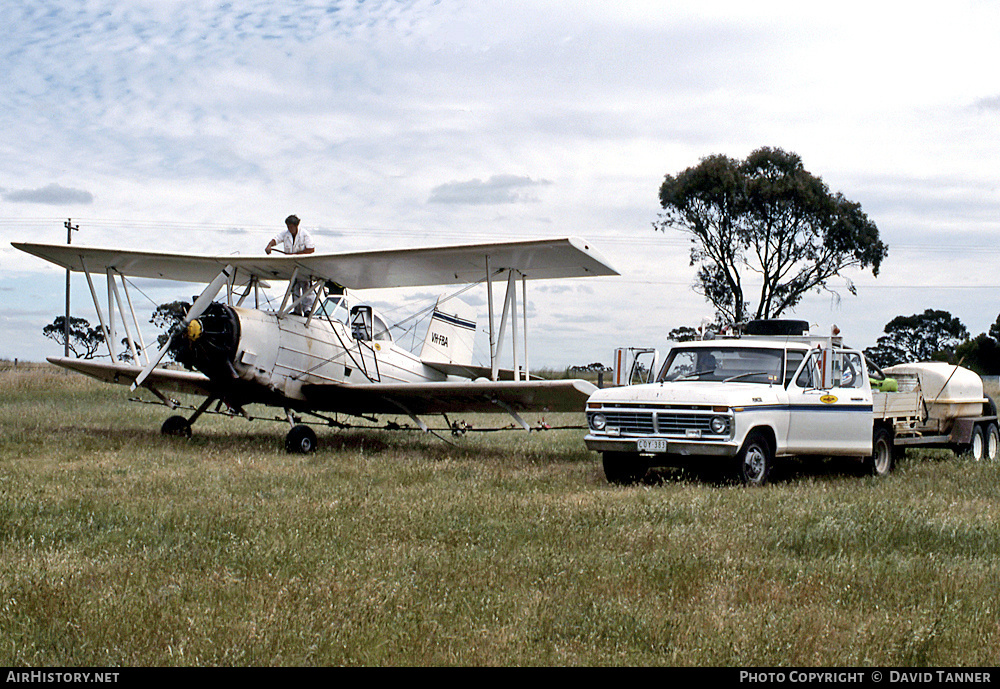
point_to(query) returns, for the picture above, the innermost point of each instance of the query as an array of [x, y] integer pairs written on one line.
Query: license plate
[[651, 445]]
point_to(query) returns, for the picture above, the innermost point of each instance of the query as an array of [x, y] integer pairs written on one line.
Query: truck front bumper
[[685, 448]]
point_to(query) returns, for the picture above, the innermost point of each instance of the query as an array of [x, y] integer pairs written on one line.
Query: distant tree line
[[929, 336], [85, 341], [597, 366], [937, 336]]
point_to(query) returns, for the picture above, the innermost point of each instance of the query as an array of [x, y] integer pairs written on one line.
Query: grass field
[[122, 547]]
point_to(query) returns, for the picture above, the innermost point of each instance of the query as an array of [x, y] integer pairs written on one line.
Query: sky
[[197, 127]]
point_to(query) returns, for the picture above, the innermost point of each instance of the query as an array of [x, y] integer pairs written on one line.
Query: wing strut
[[113, 287], [100, 312], [509, 310], [108, 323], [494, 368], [416, 419], [138, 330], [507, 408], [198, 308]]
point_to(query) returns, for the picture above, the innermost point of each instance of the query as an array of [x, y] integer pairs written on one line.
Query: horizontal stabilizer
[[473, 372]]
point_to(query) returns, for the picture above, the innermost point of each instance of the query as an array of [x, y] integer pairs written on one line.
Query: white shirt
[[295, 245]]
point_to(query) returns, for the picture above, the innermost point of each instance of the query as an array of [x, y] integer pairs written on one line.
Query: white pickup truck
[[740, 402]]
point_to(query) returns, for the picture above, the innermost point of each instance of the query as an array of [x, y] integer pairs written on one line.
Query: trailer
[[935, 404]]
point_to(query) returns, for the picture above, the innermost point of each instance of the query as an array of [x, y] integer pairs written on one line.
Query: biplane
[[319, 351]]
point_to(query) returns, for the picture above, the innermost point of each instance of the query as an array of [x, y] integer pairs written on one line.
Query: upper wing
[[461, 264], [451, 397], [160, 378], [143, 264]]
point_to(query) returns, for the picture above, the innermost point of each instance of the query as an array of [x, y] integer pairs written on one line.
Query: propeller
[[198, 308]]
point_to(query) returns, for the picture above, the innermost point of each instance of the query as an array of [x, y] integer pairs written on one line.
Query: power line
[[608, 236]]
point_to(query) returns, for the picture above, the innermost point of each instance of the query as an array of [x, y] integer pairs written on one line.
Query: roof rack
[[774, 327]]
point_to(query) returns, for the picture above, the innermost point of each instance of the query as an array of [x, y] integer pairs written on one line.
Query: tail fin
[[451, 334]]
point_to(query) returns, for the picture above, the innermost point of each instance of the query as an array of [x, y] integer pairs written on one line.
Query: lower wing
[[376, 398], [451, 397], [123, 374]]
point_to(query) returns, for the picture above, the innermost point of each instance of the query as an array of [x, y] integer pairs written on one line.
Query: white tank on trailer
[[949, 391]]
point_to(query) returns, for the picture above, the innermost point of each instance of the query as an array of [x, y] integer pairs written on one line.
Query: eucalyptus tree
[[765, 221]]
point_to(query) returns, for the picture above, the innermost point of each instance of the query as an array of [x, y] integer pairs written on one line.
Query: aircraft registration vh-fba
[[319, 353]]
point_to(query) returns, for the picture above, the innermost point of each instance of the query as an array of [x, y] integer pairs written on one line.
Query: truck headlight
[[598, 422], [719, 424]]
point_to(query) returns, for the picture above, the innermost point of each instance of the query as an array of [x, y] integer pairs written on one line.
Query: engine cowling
[[209, 342]]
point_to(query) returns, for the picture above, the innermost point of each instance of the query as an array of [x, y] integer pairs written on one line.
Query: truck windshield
[[737, 364]]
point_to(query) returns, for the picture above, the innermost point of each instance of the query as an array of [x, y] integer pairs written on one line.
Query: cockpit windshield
[[334, 308], [726, 364]]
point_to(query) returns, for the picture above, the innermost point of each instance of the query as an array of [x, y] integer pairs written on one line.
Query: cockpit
[[334, 308]]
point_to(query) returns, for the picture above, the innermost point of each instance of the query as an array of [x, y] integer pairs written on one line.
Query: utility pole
[[69, 240]]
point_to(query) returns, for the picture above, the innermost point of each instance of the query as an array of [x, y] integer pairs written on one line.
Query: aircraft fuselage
[[259, 356]]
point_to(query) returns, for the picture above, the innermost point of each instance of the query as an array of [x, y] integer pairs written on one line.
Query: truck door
[[830, 405], [635, 366]]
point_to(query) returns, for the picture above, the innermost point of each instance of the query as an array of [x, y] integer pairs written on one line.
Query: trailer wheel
[[755, 460], [991, 439], [977, 445], [624, 468], [883, 457]]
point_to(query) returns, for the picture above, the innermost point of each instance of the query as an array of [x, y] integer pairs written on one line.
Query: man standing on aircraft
[[295, 241]]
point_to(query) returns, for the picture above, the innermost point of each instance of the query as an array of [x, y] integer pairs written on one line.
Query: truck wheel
[[992, 442], [755, 460], [883, 453], [624, 468]]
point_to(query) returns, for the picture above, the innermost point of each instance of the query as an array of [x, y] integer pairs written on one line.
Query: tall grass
[[122, 547]]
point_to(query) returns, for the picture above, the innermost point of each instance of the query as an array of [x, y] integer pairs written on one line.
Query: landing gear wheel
[[624, 468], [755, 460], [300, 440], [177, 426], [883, 457]]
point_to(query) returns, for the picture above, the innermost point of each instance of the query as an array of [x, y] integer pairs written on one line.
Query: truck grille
[[681, 423], [666, 423], [638, 423]]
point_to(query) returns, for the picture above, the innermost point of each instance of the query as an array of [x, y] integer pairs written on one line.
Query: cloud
[[52, 195], [991, 103], [497, 189], [372, 120]]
